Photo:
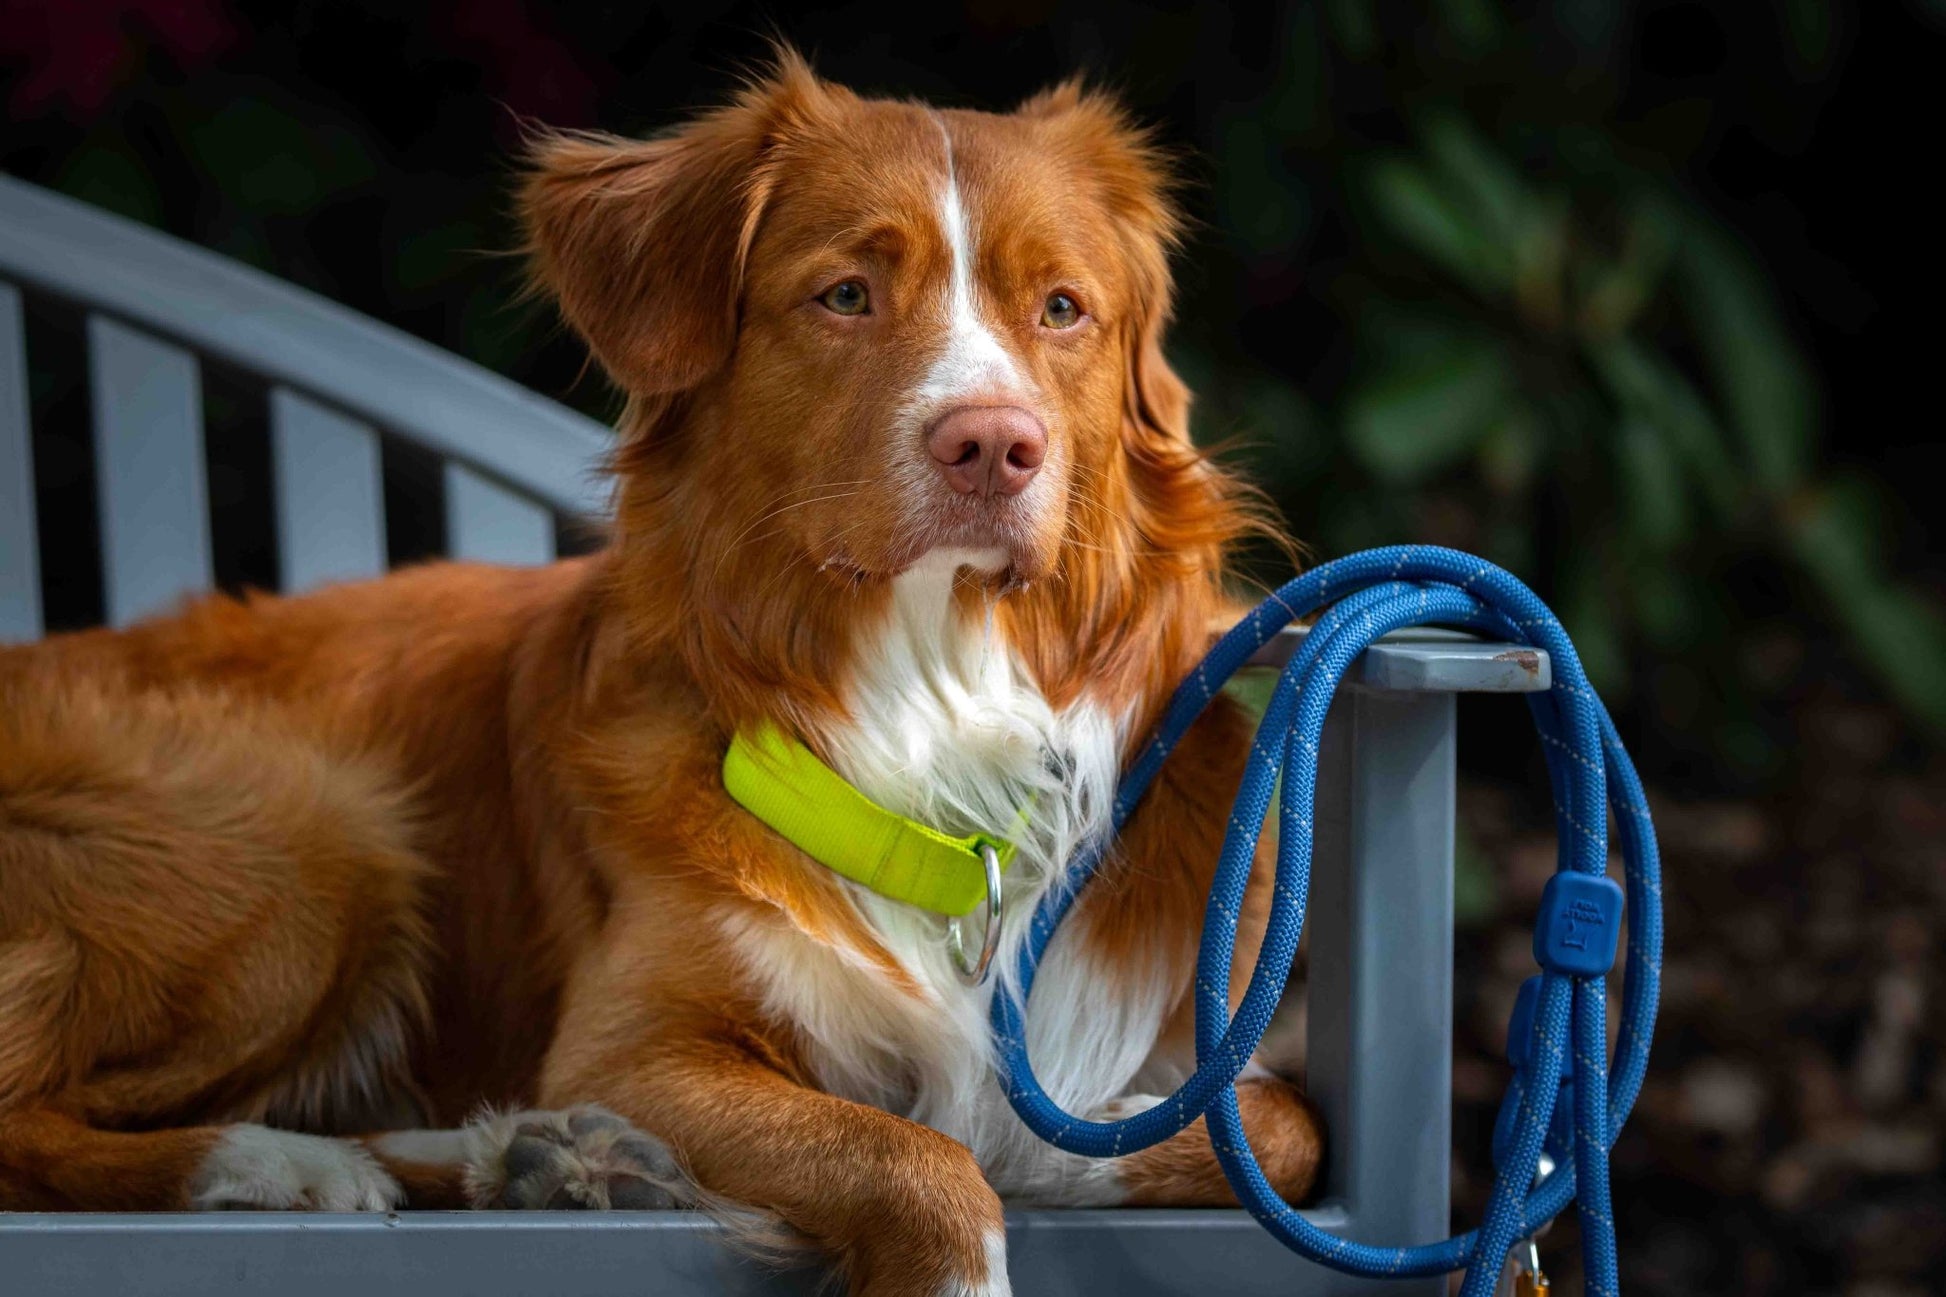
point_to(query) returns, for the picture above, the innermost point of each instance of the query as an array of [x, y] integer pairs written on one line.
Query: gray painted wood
[[486, 521], [288, 336], [151, 489], [499, 1254], [1380, 1014], [330, 495], [1428, 659], [20, 562]]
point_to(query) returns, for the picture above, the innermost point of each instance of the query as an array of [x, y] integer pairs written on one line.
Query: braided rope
[[1376, 592]]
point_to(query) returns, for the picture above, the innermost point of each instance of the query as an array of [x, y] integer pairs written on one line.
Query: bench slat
[[152, 487], [20, 563], [330, 501], [486, 521]]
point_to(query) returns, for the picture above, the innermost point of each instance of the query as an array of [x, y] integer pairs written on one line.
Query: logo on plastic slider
[[1580, 925]]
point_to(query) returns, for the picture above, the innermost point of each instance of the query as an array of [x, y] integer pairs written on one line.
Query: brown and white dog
[[903, 471]]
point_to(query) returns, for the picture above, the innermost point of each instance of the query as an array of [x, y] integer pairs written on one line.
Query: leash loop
[[976, 972], [1359, 599]]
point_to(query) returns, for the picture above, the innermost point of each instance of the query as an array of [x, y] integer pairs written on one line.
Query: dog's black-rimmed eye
[[847, 298], [1060, 312]]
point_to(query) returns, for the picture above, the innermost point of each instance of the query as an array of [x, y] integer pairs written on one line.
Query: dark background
[[1638, 299]]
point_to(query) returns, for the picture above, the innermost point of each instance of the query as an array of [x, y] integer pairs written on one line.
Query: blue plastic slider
[[1580, 925]]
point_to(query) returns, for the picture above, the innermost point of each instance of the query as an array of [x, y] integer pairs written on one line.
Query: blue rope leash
[[1558, 1042]]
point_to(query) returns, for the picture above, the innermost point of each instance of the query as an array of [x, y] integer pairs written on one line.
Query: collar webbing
[[781, 782]]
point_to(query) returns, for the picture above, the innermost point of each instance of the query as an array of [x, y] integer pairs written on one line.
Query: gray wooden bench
[[514, 464]]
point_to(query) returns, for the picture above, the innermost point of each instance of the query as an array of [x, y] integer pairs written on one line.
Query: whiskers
[[781, 504]]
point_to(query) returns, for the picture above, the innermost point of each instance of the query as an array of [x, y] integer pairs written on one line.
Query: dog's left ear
[[642, 242], [1137, 183], [1158, 401]]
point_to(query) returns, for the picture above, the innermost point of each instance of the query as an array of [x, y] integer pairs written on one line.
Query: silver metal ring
[[975, 973]]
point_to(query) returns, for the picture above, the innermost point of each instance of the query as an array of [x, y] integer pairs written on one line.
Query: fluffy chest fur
[[948, 728]]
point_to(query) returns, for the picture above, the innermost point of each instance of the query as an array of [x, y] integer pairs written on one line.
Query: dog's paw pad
[[583, 1159]]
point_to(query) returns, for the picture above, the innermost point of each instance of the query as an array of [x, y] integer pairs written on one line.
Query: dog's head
[[856, 333]]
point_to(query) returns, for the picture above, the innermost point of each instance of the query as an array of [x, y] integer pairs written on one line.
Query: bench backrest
[[155, 310]]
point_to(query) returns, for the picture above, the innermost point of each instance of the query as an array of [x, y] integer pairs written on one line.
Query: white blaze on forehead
[[974, 363]]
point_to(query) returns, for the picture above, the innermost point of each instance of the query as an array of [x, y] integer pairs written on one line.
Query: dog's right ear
[[642, 242]]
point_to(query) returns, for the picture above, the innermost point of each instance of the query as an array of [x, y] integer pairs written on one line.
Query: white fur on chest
[[949, 729]]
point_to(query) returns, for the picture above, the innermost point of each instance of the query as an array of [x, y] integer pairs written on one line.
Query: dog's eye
[[848, 298], [1061, 312]]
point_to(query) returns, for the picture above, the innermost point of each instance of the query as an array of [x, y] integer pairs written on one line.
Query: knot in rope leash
[[1559, 1030]]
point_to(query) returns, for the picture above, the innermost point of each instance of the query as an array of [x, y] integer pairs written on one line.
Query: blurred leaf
[[1476, 885], [1809, 23], [1588, 613], [1392, 333], [1277, 431], [1900, 631], [1520, 223], [1523, 228], [1652, 485], [1649, 387], [1540, 263], [1663, 594], [1492, 189], [107, 176], [1617, 292], [1412, 421], [1476, 24], [1511, 451], [1439, 226], [1355, 26], [1753, 362]]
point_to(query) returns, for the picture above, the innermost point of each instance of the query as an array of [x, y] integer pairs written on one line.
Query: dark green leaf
[[1511, 451], [1475, 23], [1652, 485], [1900, 631], [1478, 177], [1616, 293], [1588, 611], [1421, 211], [1764, 379], [1355, 26], [1412, 421], [1648, 387]]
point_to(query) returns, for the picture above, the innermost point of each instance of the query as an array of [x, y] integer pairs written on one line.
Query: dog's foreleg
[[49, 1160], [902, 1209]]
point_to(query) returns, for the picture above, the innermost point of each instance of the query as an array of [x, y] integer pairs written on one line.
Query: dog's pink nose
[[989, 449]]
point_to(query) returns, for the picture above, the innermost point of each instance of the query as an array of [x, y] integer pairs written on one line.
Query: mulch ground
[[1790, 1135]]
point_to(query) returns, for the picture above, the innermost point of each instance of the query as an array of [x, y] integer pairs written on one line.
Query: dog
[[292, 888]]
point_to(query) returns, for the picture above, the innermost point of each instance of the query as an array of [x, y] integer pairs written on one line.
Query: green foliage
[[1547, 338], [1422, 417]]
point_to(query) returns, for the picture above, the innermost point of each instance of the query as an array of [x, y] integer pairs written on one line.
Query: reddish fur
[[487, 801]]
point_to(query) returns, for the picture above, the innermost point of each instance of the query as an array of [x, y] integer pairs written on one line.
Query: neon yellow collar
[[779, 780]]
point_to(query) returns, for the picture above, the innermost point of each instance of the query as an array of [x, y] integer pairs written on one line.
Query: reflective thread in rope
[[1559, 1039]]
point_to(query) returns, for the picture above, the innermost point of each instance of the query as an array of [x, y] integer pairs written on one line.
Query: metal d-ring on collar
[[975, 973]]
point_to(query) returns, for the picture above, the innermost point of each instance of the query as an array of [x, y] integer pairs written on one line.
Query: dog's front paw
[[580, 1159], [256, 1168]]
